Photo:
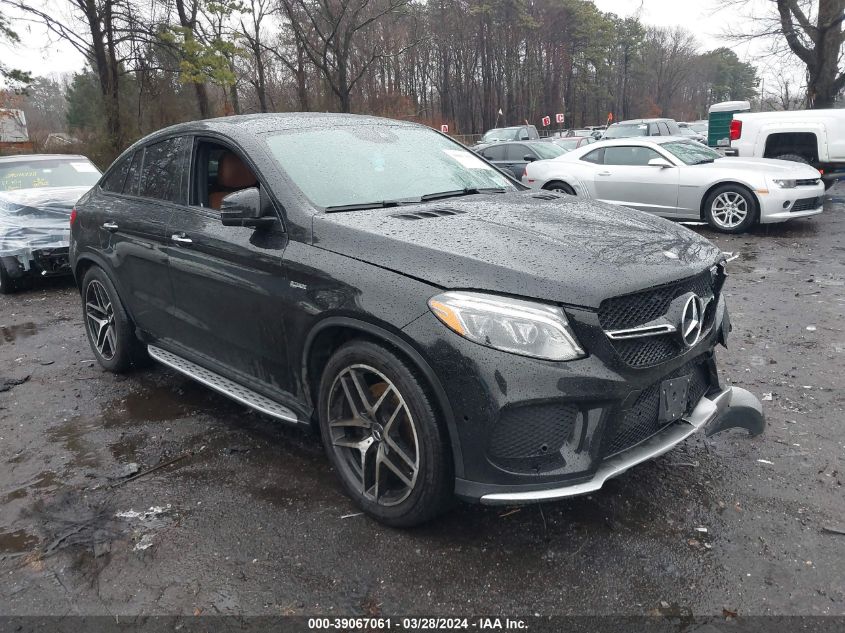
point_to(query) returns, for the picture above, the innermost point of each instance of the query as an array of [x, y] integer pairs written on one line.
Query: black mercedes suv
[[447, 332]]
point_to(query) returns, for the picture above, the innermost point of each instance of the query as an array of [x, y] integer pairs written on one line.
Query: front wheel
[[730, 209], [383, 437]]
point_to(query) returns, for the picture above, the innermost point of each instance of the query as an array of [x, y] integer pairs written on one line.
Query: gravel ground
[[248, 518]]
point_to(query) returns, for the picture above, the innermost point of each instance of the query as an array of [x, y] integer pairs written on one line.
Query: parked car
[[37, 193], [513, 157], [691, 134], [677, 178], [700, 127], [513, 133], [572, 142], [441, 327], [813, 137], [642, 127]]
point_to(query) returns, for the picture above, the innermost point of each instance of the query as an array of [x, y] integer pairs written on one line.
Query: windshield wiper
[[704, 161], [469, 191], [360, 206]]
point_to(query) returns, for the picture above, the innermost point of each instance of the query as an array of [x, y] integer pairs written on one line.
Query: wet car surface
[[242, 515]]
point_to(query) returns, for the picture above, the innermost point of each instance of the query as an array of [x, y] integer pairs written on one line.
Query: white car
[[677, 178]]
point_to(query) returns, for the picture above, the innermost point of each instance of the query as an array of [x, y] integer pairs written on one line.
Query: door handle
[[604, 173], [110, 226], [180, 238]]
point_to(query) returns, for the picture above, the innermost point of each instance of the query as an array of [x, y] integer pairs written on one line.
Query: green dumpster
[[721, 115]]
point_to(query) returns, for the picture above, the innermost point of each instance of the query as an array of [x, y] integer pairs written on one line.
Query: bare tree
[[334, 33]]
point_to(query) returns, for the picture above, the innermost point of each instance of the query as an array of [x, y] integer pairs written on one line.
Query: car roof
[[638, 121], [35, 157], [640, 140]]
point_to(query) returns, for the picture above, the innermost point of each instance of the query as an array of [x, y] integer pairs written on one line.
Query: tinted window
[[164, 164], [497, 152], [130, 187], [516, 152], [117, 175], [629, 155], [596, 156]]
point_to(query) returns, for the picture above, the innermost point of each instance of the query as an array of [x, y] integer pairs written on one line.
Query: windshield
[[370, 165], [60, 172], [548, 150], [691, 153], [501, 134], [625, 131]]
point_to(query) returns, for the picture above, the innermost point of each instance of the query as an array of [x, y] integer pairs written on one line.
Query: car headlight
[[527, 328], [785, 184]]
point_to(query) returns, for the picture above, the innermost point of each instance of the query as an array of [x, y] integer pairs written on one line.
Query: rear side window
[[114, 180], [130, 187], [673, 127], [161, 177], [596, 156], [664, 129]]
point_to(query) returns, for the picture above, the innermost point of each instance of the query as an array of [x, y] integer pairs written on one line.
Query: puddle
[[126, 448], [157, 403], [11, 333], [42, 481], [17, 542]]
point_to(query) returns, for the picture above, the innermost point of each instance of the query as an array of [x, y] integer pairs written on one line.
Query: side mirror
[[659, 162], [528, 158], [243, 208]]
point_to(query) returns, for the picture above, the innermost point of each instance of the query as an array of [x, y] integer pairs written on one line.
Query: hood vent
[[428, 213], [546, 196]]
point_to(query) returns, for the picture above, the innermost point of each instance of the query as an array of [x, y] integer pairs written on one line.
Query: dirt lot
[[248, 519]]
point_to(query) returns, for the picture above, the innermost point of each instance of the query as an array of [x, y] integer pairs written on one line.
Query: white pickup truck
[[815, 137]]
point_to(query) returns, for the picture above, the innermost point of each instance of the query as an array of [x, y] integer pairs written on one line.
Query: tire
[[795, 158], [7, 284], [391, 427], [559, 187], [731, 209], [110, 332]]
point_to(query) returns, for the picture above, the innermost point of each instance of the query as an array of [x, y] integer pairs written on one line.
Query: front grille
[[636, 309], [641, 420], [807, 204], [529, 438]]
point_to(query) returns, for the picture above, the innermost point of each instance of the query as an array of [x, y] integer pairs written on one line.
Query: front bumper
[[731, 408], [780, 205]]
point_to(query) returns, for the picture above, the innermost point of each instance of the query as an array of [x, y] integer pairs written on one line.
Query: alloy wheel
[[729, 209], [99, 315], [374, 435]]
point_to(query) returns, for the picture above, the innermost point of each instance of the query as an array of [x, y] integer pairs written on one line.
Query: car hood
[[765, 166], [33, 219], [531, 244]]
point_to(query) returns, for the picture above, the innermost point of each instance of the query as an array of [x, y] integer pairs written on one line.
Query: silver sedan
[[677, 178]]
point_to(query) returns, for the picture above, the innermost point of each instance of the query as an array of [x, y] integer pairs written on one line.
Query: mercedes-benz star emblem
[[692, 320]]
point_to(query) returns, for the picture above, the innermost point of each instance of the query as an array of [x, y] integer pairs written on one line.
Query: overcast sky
[[42, 54]]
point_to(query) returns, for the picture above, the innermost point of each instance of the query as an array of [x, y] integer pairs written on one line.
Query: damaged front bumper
[[730, 408]]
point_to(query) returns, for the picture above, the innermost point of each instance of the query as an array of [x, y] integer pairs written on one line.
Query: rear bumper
[[731, 408], [47, 262]]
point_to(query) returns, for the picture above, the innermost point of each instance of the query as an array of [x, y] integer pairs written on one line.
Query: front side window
[[497, 152], [516, 152], [375, 164], [73, 171], [629, 155], [162, 175]]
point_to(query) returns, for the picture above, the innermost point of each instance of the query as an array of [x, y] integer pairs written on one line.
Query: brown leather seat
[[232, 175]]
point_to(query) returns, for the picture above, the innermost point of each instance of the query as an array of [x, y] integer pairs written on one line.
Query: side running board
[[222, 385]]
